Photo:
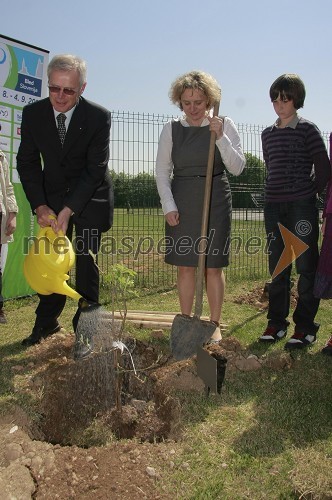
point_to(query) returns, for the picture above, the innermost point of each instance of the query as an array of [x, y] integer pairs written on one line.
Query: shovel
[[188, 333]]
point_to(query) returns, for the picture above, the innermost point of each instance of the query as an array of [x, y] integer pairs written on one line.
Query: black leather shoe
[[39, 333], [82, 350], [84, 332], [83, 306]]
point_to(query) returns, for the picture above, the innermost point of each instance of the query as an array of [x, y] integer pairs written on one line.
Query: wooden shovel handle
[[205, 220]]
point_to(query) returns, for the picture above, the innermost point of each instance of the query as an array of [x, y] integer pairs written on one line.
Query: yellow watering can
[[46, 268], [48, 262]]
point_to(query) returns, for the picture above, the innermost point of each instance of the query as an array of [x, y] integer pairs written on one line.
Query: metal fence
[[136, 238]]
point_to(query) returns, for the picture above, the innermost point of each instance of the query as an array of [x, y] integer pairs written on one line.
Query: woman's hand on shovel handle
[[172, 218], [216, 125]]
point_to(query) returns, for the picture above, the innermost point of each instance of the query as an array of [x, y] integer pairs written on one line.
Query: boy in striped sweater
[[298, 169]]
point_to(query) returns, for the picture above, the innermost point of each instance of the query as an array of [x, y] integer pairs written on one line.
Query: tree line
[[140, 190]]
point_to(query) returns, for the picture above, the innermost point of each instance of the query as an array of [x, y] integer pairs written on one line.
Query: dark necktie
[[61, 118]]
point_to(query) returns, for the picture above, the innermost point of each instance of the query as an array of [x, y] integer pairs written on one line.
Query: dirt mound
[[259, 296]]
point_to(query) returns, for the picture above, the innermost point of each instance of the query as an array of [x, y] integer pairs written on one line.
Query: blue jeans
[[301, 218]]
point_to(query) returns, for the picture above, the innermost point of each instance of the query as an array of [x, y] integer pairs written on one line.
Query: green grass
[[267, 436]]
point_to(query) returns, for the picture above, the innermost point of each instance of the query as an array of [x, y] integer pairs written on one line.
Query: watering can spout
[[48, 262], [65, 289]]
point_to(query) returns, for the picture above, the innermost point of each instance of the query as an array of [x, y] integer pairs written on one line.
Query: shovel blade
[[187, 334]]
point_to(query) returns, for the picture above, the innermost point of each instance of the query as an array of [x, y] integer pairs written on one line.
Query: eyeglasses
[[57, 90]]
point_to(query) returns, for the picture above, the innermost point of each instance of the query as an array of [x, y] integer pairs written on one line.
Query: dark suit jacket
[[76, 175]]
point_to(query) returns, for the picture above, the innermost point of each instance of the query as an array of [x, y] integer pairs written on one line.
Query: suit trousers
[[87, 276]]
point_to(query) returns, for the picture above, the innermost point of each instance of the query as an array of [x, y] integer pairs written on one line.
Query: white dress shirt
[[68, 115], [229, 146]]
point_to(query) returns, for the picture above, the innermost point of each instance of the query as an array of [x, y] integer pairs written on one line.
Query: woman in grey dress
[[180, 173]]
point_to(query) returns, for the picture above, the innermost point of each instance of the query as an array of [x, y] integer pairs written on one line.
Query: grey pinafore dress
[[189, 155]]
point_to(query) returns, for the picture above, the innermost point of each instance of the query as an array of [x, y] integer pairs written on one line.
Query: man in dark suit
[[63, 166]]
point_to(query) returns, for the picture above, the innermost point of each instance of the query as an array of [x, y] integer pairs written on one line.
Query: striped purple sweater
[[297, 162]]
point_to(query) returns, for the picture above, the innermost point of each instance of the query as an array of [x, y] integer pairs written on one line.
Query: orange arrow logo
[[294, 247]]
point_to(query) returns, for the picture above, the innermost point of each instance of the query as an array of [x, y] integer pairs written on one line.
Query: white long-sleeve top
[[229, 146]]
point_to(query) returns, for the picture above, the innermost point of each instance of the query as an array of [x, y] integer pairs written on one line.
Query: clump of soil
[[259, 296]]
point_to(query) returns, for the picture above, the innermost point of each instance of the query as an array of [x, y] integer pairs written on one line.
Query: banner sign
[[23, 80]]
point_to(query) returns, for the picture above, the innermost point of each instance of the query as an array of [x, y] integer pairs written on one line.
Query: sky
[[135, 48]]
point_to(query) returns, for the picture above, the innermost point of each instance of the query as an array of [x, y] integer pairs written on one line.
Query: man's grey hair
[[68, 62]]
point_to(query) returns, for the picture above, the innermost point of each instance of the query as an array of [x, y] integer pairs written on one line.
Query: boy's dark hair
[[289, 87]]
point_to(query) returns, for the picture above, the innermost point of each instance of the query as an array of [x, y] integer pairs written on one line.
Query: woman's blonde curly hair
[[195, 80]]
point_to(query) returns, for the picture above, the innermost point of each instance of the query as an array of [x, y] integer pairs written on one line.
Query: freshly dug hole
[[92, 396]]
